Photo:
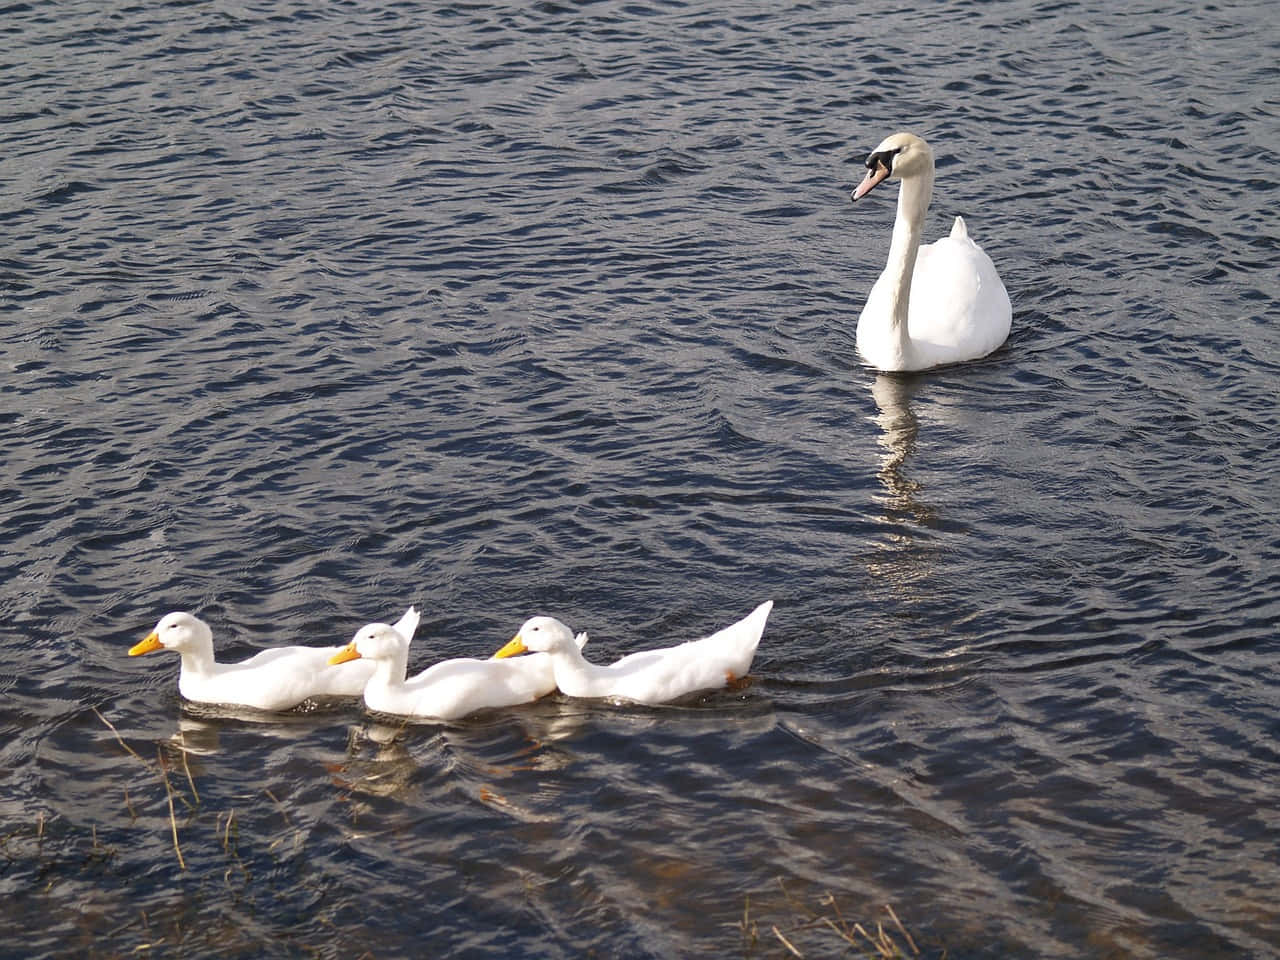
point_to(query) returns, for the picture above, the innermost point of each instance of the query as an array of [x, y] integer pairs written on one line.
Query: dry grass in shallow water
[[819, 932], [162, 771], [82, 877]]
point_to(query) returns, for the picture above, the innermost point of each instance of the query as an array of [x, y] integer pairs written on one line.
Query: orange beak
[[349, 652], [515, 646], [147, 644]]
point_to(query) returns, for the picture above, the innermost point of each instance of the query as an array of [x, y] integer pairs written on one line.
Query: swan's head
[[179, 632], [377, 641], [539, 635], [899, 157]]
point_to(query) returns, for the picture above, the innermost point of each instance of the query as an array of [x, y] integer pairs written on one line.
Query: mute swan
[[652, 676], [275, 679], [940, 303], [449, 689]]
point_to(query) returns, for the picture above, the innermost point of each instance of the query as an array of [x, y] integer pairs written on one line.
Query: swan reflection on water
[[899, 427], [904, 557]]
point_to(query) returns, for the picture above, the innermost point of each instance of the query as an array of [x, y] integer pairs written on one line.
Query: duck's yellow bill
[[349, 652], [148, 643], [515, 646]]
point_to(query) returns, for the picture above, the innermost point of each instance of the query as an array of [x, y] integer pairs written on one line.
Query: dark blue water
[[312, 311]]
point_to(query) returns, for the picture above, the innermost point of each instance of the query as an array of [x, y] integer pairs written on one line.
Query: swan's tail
[[958, 230]]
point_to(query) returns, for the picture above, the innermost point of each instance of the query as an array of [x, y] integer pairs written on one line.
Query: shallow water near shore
[[313, 312]]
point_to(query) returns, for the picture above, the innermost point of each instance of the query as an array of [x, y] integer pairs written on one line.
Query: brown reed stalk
[[112, 727], [186, 767], [787, 943], [276, 800], [173, 820], [902, 930]]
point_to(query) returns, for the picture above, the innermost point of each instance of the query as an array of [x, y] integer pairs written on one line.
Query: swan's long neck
[[908, 227]]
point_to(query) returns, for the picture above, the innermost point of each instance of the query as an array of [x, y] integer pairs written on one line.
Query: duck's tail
[[408, 624]]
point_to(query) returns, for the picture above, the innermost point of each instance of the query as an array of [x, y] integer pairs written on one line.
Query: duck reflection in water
[[514, 760], [385, 768]]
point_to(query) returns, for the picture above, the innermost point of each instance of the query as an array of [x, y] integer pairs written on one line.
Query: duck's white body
[[448, 690], [935, 304], [275, 679], [652, 676]]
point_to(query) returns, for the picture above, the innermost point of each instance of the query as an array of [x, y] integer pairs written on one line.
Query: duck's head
[[898, 157], [377, 641], [538, 635], [179, 632]]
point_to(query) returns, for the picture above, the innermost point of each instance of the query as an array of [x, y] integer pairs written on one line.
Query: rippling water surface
[[313, 311]]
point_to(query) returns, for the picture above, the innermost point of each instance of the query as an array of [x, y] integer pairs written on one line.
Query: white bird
[[932, 305], [652, 676], [274, 679], [447, 690]]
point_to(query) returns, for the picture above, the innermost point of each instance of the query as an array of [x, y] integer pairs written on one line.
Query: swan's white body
[[275, 679], [935, 304], [449, 689], [652, 676]]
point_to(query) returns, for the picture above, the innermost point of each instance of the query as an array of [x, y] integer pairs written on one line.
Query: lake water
[[313, 311]]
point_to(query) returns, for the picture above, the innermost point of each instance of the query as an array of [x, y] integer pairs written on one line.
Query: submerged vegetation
[[822, 930], [176, 866], [120, 910]]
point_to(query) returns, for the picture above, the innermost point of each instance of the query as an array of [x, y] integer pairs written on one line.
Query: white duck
[[275, 679], [449, 689], [932, 305], [652, 676]]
